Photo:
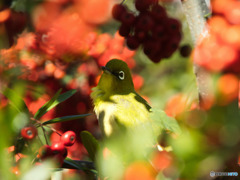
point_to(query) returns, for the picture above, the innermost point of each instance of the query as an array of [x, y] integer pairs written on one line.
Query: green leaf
[[81, 165], [90, 143], [46, 107], [57, 98], [63, 97], [161, 119], [65, 118], [24, 5], [16, 101]]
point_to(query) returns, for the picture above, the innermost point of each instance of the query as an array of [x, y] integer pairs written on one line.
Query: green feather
[[117, 105]]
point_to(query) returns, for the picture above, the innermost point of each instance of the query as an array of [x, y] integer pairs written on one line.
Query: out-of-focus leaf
[[161, 119], [65, 118], [46, 107], [24, 5], [15, 100], [81, 165], [19, 145], [18, 5], [90, 143], [39, 172]]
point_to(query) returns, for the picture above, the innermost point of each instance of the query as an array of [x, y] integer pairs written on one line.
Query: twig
[[44, 135], [54, 130]]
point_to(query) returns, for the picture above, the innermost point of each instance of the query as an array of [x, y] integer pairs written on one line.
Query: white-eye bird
[[116, 103], [119, 107]]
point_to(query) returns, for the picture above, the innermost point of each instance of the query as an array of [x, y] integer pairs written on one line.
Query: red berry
[[45, 151], [58, 148], [185, 50], [127, 18], [177, 36], [140, 35], [145, 22], [173, 25], [143, 5], [68, 138], [156, 58], [159, 32], [59, 159], [124, 30], [152, 49], [158, 13], [169, 48], [60, 152], [132, 42], [118, 10], [29, 132]]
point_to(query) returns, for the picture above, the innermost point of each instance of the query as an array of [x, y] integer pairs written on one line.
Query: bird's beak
[[106, 70]]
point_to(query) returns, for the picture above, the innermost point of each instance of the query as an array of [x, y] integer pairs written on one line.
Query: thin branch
[[54, 130], [44, 133]]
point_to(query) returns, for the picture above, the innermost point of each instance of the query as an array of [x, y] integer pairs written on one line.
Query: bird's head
[[116, 78]]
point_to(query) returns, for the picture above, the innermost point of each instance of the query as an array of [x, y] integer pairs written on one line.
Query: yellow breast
[[118, 110]]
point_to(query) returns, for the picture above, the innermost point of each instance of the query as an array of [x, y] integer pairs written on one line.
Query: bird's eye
[[121, 75]]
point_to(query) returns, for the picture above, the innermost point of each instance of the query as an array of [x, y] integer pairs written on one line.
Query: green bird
[[116, 103], [118, 106]]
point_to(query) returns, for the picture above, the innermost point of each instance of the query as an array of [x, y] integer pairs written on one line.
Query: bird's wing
[[131, 109]]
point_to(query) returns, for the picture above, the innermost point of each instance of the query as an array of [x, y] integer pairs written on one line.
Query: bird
[[119, 107], [116, 103]]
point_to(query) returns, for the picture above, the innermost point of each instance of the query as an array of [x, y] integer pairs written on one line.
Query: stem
[[44, 135], [54, 130], [40, 140], [39, 124], [122, 2], [34, 159], [195, 12]]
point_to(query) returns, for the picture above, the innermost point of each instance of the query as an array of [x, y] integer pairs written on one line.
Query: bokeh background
[[53, 44]]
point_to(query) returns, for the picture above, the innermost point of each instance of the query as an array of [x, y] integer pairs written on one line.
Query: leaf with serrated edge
[[161, 119]]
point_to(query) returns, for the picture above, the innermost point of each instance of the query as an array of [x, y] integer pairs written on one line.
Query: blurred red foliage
[[228, 88], [220, 49], [178, 104], [161, 160], [65, 51]]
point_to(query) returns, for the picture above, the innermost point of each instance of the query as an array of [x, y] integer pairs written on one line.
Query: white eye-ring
[[121, 75]]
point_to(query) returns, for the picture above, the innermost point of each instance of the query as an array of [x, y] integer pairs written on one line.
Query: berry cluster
[[57, 150], [158, 34], [220, 50]]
